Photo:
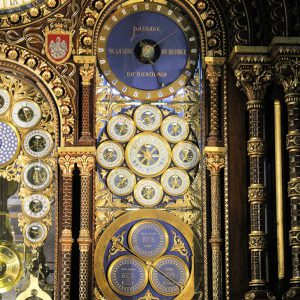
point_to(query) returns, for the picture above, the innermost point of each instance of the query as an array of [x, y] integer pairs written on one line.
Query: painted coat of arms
[[58, 43]]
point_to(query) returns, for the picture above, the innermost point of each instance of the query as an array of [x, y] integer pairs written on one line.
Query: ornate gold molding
[[66, 240]]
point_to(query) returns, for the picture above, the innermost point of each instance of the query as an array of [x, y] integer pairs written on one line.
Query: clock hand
[[167, 37], [148, 263], [155, 72]]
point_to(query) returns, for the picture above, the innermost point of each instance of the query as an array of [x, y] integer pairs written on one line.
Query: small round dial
[[121, 181], [148, 192], [186, 155], [147, 118], [148, 239], [148, 154], [26, 114], [5, 99], [110, 154], [174, 129], [127, 275], [169, 275], [175, 182], [121, 128], [35, 233], [37, 175], [9, 143], [36, 206], [10, 268], [38, 143]]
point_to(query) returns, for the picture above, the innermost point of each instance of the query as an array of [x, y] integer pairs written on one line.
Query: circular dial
[[174, 129], [26, 114], [121, 128], [148, 154], [35, 233], [147, 50], [9, 143], [38, 143], [110, 154], [5, 99], [127, 275], [121, 181], [16, 5], [148, 239], [147, 118], [37, 175], [169, 275], [175, 182], [186, 155], [148, 192], [10, 269], [36, 206]]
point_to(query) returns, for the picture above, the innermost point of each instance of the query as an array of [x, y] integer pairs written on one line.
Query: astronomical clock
[[148, 170]]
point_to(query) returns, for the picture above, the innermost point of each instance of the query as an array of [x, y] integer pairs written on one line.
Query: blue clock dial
[[147, 50]]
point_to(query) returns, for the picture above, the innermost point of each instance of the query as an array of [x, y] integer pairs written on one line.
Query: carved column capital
[[67, 164], [213, 73], [85, 164], [87, 73], [215, 159]]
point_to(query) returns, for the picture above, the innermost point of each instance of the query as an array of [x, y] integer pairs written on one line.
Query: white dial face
[[37, 175], [121, 181], [5, 99], [186, 155], [26, 114], [148, 117], [148, 154], [35, 232], [10, 4], [175, 182], [110, 154], [174, 129], [148, 192], [36, 206], [121, 128], [38, 143]]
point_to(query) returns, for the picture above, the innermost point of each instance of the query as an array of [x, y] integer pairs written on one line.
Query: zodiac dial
[[148, 192], [121, 128], [38, 143], [148, 154], [174, 129], [110, 154], [175, 182], [147, 117], [147, 51], [26, 114]]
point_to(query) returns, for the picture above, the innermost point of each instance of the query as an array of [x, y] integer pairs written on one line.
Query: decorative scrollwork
[[179, 246], [117, 245]]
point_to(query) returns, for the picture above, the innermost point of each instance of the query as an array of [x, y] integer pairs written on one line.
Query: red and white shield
[[58, 45]]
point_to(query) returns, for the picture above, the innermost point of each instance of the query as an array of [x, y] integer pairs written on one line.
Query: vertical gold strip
[[279, 200]]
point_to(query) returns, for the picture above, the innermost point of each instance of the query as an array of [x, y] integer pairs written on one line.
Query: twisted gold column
[[66, 163], [85, 164]]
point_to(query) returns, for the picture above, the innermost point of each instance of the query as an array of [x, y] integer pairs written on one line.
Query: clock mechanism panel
[[155, 254]]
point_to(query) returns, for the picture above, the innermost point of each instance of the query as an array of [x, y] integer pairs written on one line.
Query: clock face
[[37, 175], [121, 128], [36, 206], [147, 118], [110, 154], [186, 155], [9, 6], [26, 114], [174, 129], [38, 143], [9, 143], [175, 182], [35, 233], [148, 192], [5, 99], [147, 51], [148, 154]]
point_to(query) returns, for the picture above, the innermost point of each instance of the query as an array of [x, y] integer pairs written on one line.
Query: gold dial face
[[148, 192], [147, 50], [121, 181], [147, 118], [110, 154], [26, 114], [121, 128], [36, 206], [186, 155], [174, 129], [37, 175], [175, 181], [5, 100], [148, 154], [38, 143]]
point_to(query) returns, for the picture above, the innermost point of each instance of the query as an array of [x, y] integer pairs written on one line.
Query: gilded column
[[85, 164], [66, 163], [87, 72], [287, 67], [215, 161], [253, 72]]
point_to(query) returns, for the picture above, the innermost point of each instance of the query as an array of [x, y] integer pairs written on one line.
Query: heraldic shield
[[58, 44]]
